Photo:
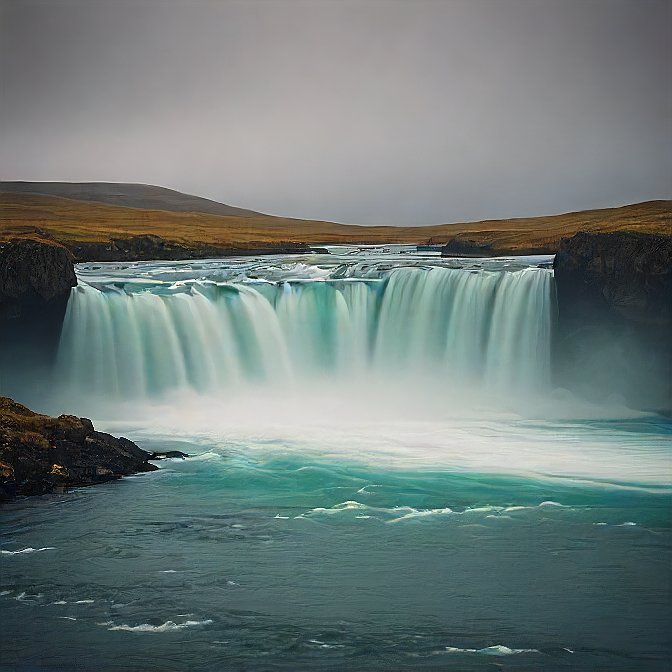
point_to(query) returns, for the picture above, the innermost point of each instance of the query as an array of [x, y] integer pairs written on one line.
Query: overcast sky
[[367, 111]]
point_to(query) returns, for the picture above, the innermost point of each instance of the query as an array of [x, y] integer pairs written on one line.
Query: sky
[[362, 111]]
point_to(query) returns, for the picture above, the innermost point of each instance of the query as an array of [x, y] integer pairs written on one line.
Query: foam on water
[[329, 427], [168, 626], [496, 650], [399, 514], [27, 550]]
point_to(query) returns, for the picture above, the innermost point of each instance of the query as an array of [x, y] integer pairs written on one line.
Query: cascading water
[[488, 328]]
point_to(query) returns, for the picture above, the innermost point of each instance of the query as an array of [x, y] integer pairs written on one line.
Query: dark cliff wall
[[614, 336], [148, 247], [35, 282], [465, 246]]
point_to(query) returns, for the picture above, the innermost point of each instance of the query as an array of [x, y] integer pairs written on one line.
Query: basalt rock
[[150, 247], [463, 247], [41, 454], [169, 455], [36, 277], [33, 273], [614, 294]]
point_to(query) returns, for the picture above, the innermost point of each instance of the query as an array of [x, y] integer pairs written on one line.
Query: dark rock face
[[40, 454], [149, 247], [463, 247], [36, 277], [614, 294], [33, 272], [169, 455]]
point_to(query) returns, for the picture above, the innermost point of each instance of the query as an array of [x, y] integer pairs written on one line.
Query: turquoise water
[[286, 561], [403, 514]]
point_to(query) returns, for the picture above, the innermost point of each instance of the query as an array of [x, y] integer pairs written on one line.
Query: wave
[[403, 513], [168, 626], [496, 650], [25, 597], [28, 550]]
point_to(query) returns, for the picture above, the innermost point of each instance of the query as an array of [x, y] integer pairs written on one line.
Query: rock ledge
[[41, 454]]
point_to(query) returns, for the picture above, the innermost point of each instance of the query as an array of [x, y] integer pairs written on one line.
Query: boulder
[[169, 455]]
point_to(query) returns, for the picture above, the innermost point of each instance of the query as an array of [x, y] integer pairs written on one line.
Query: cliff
[[150, 247], [614, 294], [36, 277], [40, 454], [34, 274]]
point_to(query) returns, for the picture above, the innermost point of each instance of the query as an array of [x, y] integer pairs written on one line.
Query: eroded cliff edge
[[614, 331]]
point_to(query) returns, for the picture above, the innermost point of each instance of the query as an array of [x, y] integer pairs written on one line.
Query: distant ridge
[[94, 219], [128, 195]]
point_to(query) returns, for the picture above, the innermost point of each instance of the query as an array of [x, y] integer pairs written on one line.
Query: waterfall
[[490, 328]]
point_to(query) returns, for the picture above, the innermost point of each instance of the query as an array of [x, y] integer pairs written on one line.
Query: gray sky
[[367, 111]]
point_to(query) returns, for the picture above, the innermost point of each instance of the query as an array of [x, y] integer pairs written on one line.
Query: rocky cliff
[[465, 247], [150, 247], [36, 277], [40, 454], [33, 274], [614, 293]]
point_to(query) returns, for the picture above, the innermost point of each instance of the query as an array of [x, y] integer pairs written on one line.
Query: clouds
[[370, 111]]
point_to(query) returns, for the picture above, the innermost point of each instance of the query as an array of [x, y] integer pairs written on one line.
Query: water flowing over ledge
[[377, 357], [488, 328]]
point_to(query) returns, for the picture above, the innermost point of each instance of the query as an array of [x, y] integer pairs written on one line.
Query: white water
[[397, 361], [488, 329]]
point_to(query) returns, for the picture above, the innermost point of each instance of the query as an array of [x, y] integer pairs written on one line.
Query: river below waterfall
[[383, 476]]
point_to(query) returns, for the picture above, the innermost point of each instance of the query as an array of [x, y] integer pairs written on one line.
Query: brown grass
[[70, 221]]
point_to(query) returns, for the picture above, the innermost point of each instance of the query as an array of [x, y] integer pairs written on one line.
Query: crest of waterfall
[[135, 339]]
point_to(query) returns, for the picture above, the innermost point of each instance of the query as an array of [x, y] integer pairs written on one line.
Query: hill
[[82, 224], [144, 196]]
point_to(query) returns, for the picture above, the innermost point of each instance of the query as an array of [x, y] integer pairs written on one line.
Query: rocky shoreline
[[40, 454]]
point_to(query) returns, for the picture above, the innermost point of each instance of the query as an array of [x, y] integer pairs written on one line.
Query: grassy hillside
[[71, 221], [145, 196]]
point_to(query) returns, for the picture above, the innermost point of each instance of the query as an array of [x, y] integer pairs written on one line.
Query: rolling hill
[[144, 196], [79, 221]]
